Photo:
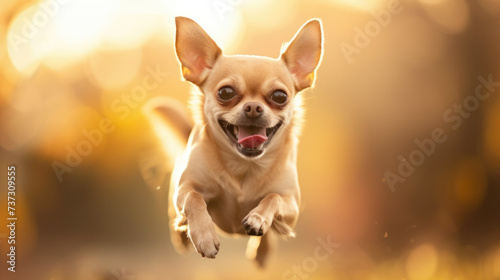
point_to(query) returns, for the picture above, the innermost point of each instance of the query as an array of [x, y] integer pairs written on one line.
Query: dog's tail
[[169, 113], [172, 124]]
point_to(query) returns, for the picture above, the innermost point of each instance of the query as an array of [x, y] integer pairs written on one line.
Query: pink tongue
[[251, 138]]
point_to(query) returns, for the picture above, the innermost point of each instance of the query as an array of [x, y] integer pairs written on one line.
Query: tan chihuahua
[[239, 168]]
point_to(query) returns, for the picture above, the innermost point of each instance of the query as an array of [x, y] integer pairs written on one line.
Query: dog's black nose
[[253, 110]]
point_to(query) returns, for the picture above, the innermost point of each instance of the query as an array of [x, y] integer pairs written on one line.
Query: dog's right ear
[[196, 51]]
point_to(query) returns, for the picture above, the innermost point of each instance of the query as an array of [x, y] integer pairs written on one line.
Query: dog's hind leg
[[259, 248], [180, 240], [178, 231]]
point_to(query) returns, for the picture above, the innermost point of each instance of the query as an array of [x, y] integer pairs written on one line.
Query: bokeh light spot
[[422, 262], [115, 69], [469, 183]]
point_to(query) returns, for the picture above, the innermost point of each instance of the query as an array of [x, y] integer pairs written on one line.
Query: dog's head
[[248, 99]]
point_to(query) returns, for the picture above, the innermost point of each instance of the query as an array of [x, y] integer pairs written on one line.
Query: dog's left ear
[[303, 54]]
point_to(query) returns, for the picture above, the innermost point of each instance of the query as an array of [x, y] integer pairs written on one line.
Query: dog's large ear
[[196, 51], [303, 54]]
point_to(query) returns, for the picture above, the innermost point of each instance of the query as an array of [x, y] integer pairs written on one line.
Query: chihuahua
[[238, 172]]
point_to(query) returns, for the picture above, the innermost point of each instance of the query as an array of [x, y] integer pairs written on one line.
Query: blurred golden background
[[399, 161]]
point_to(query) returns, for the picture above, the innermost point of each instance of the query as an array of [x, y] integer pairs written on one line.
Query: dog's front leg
[[201, 229], [274, 210]]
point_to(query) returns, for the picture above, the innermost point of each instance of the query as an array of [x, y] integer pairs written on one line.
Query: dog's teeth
[[235, 130]]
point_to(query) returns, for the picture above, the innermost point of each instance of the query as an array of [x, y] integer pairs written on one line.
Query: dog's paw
[[205, 240], [256, 224]]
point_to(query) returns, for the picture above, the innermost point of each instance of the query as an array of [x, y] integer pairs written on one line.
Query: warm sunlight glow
[[367, 5], [422, 262], [112, 70], [79, 28], [220, 19], [22, 39], [60, 33], [267, 9], [82, 23]]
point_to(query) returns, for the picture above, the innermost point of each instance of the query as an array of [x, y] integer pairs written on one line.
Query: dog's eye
[[226, 93], [279, 97]]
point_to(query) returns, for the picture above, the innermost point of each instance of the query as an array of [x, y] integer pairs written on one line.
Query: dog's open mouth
[[249, 140]]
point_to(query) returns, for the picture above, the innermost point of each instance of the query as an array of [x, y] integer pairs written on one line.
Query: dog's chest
[[235, 199], [246, 187], [240, 185]]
